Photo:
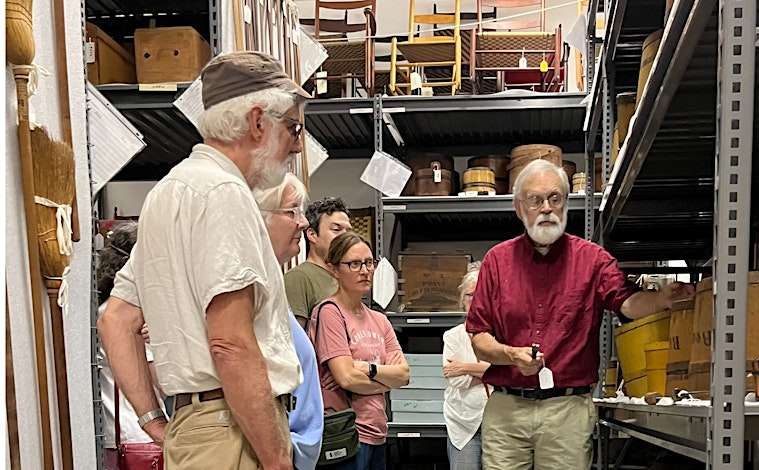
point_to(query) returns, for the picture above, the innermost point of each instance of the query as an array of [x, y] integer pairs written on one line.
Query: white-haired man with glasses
[[206, 278], [549, 289]]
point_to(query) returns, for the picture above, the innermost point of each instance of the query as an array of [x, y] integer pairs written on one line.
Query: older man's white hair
[[228, 120], [540, 167], [271, 199]]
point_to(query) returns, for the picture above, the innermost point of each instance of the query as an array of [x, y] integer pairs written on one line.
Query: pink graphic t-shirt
[[372, 339]]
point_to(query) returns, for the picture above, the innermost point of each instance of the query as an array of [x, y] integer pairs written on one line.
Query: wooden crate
[[175, 54], [112, 62], [429, 282]]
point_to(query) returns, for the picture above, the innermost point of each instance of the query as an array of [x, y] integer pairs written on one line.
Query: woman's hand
[[454, 368]]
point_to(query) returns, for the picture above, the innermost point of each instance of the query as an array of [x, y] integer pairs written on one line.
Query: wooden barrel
[[522, 155], [417, 160], [700, 359], [625, 111], [479, 179], [578, 183], [426, 184], [500, 166], [570, 168], [615, 144], [680, 340], [650, 47]]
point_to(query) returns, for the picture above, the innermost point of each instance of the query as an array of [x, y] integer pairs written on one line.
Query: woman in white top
[[112, 258], [466, 395]]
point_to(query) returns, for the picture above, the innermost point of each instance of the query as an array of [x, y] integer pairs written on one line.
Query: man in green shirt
[[311, 282]]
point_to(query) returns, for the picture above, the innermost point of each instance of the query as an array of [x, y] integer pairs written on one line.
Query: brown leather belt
[[184, 399]]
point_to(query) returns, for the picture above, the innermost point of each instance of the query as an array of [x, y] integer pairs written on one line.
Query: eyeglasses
[[294, 128], [536, 201], [356, 265], [295, 213]]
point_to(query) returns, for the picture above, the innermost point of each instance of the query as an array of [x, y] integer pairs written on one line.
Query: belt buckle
[[288, 401]]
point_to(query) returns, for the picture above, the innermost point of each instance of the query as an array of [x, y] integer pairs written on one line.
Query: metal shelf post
[[732, 185], [378, 212]]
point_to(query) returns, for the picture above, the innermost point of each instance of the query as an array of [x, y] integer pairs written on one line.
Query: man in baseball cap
[[205, 279]]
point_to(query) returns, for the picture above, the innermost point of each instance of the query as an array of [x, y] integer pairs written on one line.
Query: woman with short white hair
[[465, 395]]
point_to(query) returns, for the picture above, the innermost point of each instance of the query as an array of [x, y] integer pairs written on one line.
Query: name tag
[[336, 454]]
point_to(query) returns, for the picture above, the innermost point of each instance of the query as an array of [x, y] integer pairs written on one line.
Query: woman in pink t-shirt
[[357, 350]]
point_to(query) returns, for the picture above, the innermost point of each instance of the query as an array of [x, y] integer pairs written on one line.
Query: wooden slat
[[434, 19], [350, 5], [340, 26], [512, 25]]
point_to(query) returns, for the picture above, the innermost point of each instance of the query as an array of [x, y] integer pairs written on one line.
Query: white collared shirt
[[464, 401], [201, 234]]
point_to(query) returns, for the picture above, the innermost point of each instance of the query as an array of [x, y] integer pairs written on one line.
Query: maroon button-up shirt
[[556, 300]]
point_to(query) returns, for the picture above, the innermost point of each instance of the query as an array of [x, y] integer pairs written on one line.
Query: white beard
[[263, 171], [547, 235]]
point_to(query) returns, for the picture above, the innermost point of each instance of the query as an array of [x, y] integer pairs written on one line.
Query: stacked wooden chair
[[498, 46], [420, 51]]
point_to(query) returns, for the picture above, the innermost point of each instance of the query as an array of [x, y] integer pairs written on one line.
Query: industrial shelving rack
[[681, 188]]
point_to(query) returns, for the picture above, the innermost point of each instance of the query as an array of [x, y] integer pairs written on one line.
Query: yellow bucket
[[637, 387], [656, 366], [631, 340]]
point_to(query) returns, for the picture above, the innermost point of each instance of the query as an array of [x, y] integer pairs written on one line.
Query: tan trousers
[[204, 435], [552, 434]]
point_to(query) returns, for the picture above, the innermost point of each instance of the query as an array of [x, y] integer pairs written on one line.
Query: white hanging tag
[[321, 82], [247, 14], [416, 81], [437, 176], [89, 52], [523, 62], [545, 376]]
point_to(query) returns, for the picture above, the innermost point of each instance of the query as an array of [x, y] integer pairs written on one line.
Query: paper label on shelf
[[312, 55], [418, 321], [190, 103], [114, 141], [437, 176], [157, 87], [386, 174], [321, 82], [316, 154], [247, 14], [89, 52], [396, 207], [416, 81], [384, 283], [409, 434]]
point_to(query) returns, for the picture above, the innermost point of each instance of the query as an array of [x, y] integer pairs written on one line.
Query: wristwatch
[[372, 370], [150, 416]]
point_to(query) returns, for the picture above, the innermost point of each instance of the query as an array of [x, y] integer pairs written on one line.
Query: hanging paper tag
[[437, 176], [89, 52], [523, 62], [321, 82], [543, 66], [247, 14], [545, 376], [416, 81]]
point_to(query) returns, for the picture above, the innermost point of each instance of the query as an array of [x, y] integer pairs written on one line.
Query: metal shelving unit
[[686, 169]]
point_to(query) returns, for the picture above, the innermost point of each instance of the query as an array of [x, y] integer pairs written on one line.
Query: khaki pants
[[552, 434], [203, 435]]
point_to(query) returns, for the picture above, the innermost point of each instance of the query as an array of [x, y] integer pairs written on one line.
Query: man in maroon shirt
[[548, 288]]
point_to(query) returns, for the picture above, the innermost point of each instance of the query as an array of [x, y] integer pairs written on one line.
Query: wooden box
[[175, 54], [428, 282], [112, 62]]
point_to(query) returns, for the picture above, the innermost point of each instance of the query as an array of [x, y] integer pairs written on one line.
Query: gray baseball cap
[[235, 74]]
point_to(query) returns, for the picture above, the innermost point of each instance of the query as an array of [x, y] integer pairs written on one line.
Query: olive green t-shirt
[[307, 285]]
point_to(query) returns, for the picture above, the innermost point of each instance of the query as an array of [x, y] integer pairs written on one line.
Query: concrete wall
[[45, 106]]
